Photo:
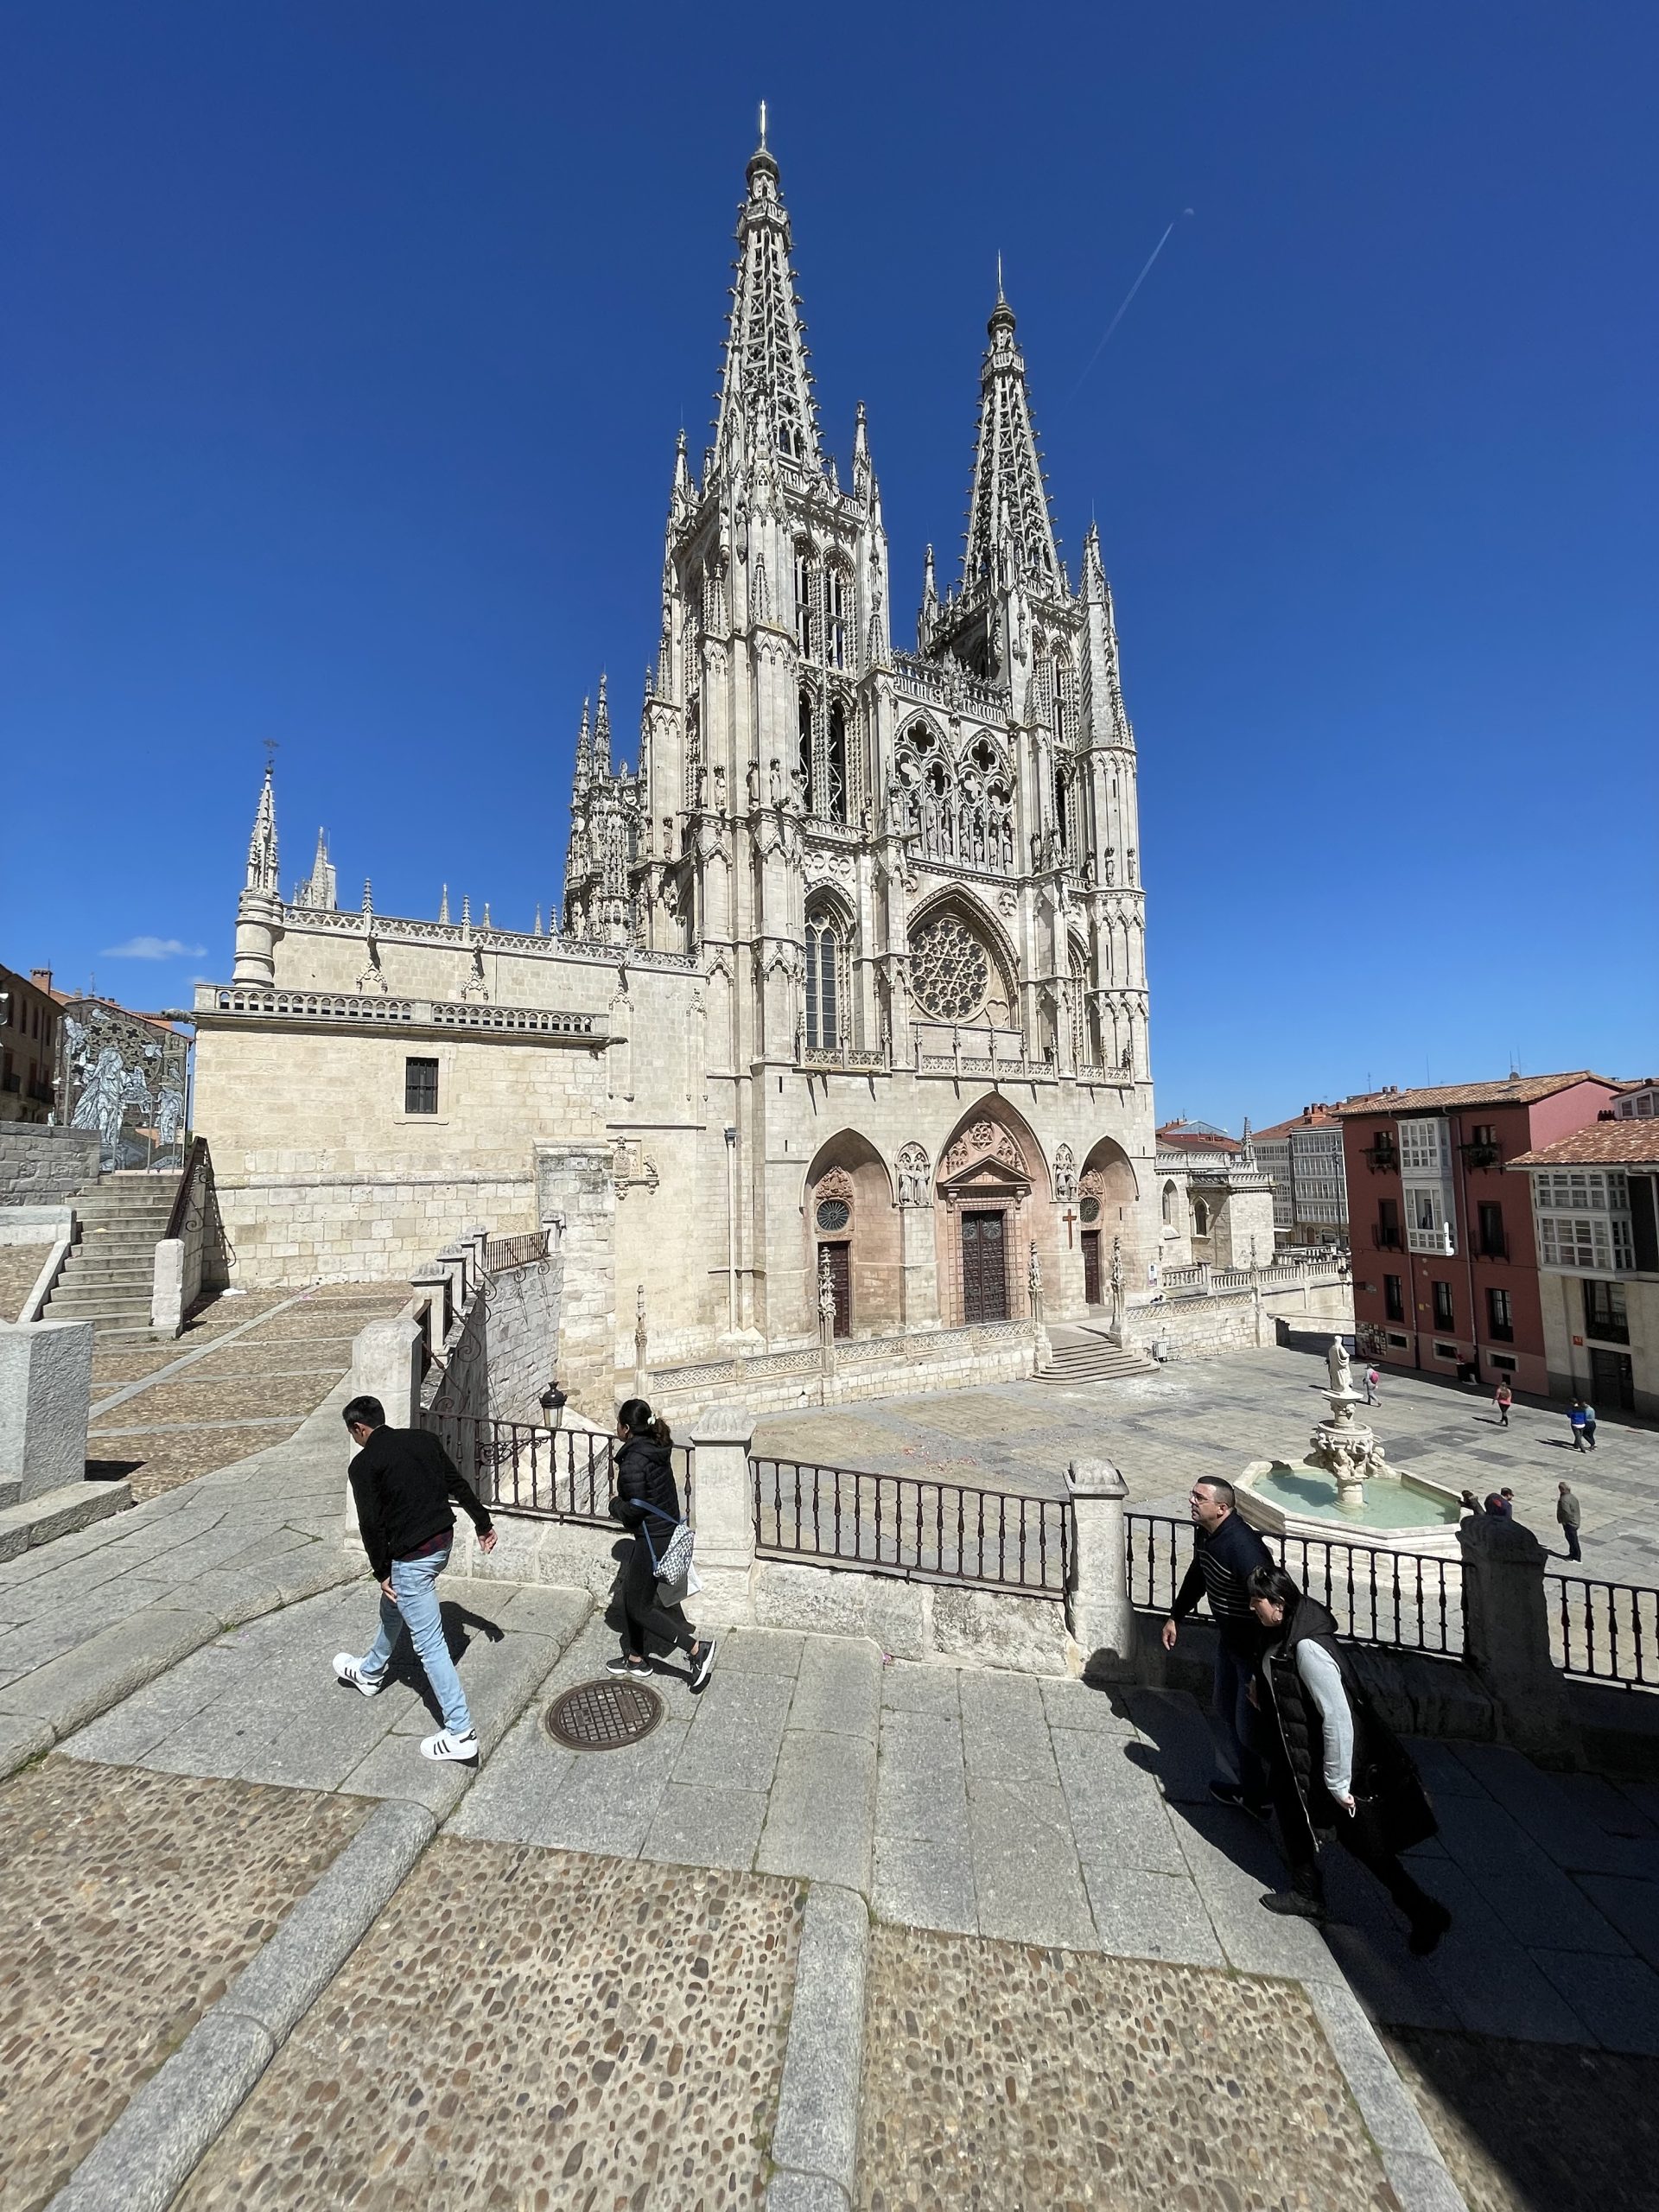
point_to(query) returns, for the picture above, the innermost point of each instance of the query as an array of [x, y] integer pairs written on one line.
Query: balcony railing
[[1381, 1159], [1438, 1241]]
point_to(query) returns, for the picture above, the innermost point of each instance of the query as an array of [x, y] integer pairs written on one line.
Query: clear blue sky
[[346, 344]]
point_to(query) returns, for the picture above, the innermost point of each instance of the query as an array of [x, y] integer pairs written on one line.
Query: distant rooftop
[[1513, 1090], [1603, 1144]]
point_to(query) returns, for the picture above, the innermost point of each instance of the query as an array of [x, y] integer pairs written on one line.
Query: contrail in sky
[[1124, 309]]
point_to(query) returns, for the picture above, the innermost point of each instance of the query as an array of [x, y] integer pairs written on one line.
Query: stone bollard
[[166, 1287], [1506, 1638], [1098, 1614], [386, 1365], [724, 1505], [46, 1393]]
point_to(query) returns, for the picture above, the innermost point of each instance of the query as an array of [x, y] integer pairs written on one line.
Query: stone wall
[[42, 1166], [1230, 1320], [522, 1336], [945, 1360], [574, 1190]]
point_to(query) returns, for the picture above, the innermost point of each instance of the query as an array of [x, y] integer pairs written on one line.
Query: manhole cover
[[603, 1716]]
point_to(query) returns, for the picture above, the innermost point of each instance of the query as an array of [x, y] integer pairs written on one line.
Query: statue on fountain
[[1340, 1367]]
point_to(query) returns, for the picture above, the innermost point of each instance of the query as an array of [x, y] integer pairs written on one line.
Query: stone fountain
[[1327, 1497]]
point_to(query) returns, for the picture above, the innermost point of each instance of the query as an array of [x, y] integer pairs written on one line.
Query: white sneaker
[[348, 1671], [444, 1745]]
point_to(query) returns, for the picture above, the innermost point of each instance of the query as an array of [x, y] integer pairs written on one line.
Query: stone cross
[[1068, 1217]]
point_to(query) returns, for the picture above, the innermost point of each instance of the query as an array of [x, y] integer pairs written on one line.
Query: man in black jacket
[[402, 1482], [1226, 1552]]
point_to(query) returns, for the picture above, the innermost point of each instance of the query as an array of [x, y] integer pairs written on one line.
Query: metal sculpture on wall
[[128, 1078]]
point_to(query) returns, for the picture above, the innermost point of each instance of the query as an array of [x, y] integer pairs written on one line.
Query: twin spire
[[1010, 529]]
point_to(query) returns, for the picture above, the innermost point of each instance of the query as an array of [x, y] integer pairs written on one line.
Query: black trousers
[[644, 1614], [1359, 1836], [1572, 1551]]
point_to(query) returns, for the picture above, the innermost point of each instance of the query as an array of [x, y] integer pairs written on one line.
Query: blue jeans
[[416, 1582], [1234, 1675]]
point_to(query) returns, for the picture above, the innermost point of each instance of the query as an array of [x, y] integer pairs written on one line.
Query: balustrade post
[[1099, 1618], [1506, 1638], [723, 1488], [386, 1365]]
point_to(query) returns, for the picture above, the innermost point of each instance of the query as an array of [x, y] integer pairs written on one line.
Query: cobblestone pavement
[[1214, 1416], [1015, 2079], [244, 1374], [1533, 2128], [534, 2028], [20, 1267], [131, 1900]]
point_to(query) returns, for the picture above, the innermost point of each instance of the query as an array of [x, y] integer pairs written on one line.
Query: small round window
[[1090, 1209], [834, 1213]]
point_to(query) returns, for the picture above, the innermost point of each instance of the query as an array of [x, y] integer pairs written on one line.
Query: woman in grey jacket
[[1337, 1768]]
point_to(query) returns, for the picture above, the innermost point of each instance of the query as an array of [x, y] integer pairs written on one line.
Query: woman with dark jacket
[[647, 1500], [1337, 1767]]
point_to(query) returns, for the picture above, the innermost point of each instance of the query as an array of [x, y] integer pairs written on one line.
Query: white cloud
[[153, 948]]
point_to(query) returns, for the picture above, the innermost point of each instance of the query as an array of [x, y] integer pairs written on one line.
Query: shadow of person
[[457, 1620]]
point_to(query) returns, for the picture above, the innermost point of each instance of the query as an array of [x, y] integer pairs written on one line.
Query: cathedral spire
[[930, 612], [317, 892], [602, 732], [1010, 531], [584, 774], [262, 846], [767, 386]]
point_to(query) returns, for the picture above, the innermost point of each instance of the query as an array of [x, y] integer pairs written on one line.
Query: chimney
[[41, 978]]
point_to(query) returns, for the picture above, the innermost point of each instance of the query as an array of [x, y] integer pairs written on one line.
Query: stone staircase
[[107, 1278], [1083, 1354]]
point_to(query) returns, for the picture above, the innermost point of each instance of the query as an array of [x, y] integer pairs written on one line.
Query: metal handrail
[[503, 1252], [1405, 1600], [551, 1474], [905, 1526], [178, 1220], [1612, 1634]]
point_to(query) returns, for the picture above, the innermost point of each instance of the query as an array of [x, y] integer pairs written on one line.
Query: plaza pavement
[[997, 1918], [1214, 1416]]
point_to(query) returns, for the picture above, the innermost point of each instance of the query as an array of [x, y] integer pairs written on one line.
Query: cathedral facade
[[846, 1001]]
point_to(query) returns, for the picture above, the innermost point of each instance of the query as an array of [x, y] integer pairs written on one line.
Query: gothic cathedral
[[859, 947]]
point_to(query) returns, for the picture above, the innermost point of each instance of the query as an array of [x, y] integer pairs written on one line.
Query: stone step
[[54, 1512], [137, 1267], [1108, 1364], [133, 1312]]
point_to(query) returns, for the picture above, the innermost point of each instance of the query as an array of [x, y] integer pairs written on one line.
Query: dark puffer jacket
[[644, 1475], [1390, 1801]]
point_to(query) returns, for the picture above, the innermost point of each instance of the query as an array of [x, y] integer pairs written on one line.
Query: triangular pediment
[[986, 1174]]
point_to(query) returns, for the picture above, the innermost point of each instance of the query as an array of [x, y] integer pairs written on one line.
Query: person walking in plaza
[[1502, 1398], [1373, 1393], [1579, 1419], [1337, 1770], [1589, 1426], [1226, 1551], [647, 1500], [1570, 1514], [402, 1482]]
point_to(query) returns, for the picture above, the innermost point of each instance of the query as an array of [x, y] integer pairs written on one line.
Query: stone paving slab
[[1019, 2077], [646, 2007], [132, 1899]]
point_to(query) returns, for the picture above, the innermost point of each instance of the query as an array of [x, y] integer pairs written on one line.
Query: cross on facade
[[1068, 1217]]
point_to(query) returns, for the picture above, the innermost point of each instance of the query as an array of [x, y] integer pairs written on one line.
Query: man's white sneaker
[[444, 1745], [348, 1671]]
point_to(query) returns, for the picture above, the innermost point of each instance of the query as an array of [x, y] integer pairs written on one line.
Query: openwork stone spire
[[1010, 531], [767, 384], [262, 846]]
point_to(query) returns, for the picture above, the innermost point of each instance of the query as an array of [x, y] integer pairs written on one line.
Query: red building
[[1445, 1267]]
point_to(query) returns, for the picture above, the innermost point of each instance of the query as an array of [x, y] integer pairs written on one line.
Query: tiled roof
[[1316, 1117], [1517, 1090], [1603, 1144]]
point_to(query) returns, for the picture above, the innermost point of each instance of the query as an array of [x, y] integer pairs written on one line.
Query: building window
[[1502, 1359], [1586, 1241], [1388, 1224], [1500, 1317], [804, 755], [1443, 1314], [834, 600], [1169, 1203], [1422, 1147], [1200, 1218], [838, 806], [823, 985], [1489, 1230], [1393, 1298], [420, 1086], [1606, 1314], [1447, 1352], [805, 592], [1399, 1343]]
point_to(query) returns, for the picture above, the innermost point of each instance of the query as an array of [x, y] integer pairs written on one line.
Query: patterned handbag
[[672, 1565]]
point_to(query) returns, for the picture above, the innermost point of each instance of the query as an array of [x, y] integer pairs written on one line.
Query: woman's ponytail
[[637, 1418]]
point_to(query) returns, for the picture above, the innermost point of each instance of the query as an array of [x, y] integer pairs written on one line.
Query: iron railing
[[902, 1525], [1605, 1631], [559, 1474], [1400, 1598], [500, 1252]]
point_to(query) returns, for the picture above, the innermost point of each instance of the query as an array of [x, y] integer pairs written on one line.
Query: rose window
[[951, 971], [834, 1214]]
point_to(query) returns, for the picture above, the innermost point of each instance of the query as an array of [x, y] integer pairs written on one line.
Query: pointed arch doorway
[[985, 1186]]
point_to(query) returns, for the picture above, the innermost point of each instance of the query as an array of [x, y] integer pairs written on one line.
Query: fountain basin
[[1399, 1512]]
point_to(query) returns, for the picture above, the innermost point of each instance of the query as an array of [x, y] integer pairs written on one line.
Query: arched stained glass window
[[823, 1027]]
